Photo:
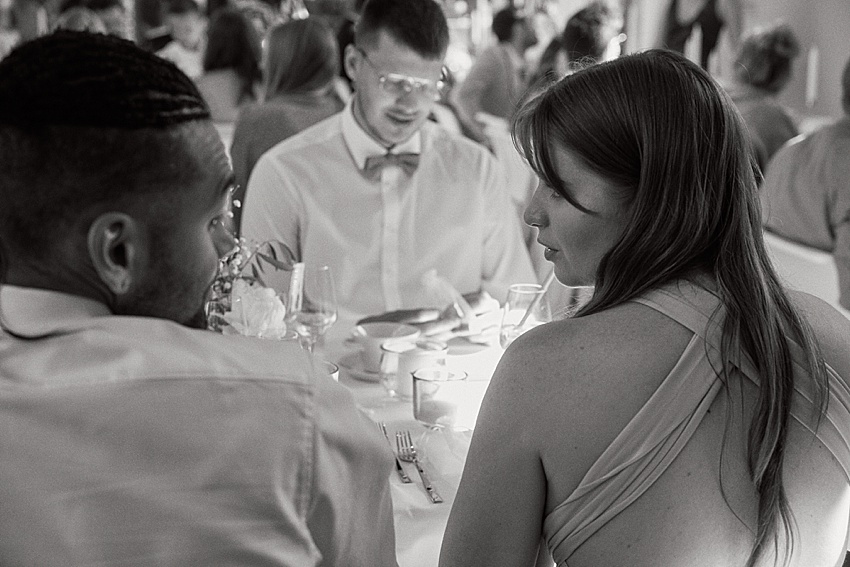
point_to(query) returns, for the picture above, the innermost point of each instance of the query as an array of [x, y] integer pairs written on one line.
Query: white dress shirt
[[380, 236], [136, 441]]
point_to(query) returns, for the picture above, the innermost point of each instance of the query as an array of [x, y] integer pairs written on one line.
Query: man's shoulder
[[310, 142], [447, 143]]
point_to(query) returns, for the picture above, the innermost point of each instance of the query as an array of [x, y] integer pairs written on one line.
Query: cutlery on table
[[398, 466], [407, 453]]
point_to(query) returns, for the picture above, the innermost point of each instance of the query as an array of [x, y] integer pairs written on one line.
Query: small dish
[[353, 364]]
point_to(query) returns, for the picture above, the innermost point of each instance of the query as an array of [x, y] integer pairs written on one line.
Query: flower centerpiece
[[240, 301]]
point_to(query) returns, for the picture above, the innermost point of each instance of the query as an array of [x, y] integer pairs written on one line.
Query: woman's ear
[[115, 244]]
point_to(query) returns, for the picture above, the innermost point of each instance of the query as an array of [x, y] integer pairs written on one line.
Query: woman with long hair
[[693, 412], [231, 65], [301, 68]]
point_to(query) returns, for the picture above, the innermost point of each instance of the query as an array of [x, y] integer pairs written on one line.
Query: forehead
[[394, 56]]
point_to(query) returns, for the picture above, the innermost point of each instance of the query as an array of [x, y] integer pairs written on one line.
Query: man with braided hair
[[127, 436]]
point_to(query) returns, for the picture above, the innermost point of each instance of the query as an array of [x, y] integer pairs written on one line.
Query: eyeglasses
[[399, 85]]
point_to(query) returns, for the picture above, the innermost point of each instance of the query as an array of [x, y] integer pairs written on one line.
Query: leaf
[[275, 262]]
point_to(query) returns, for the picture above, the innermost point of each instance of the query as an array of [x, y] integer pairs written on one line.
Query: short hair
[[419, 24], [665, 134], [503, 23], [179, 7], [93, 5], [86, 121], [79, 19], [232, 43], [587, 33], [301, 56], [765, 56]]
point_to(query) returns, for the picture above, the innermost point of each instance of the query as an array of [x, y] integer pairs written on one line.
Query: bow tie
[[406, 161]]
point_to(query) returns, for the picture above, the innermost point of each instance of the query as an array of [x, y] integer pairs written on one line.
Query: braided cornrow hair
[[94, 80]]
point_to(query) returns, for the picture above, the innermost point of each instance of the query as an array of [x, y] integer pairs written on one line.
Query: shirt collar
[[35, 312], [361, 145]]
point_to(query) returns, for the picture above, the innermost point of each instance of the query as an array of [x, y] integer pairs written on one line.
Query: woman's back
[[701, 509]]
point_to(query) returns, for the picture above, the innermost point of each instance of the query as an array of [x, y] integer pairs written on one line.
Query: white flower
[[256, 311]]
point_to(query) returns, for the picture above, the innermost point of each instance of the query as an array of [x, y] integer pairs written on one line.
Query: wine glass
[[312, 302], [525, 308]]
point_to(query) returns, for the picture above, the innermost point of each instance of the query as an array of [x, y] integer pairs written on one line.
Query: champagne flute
[[526, 307], [312, 302]]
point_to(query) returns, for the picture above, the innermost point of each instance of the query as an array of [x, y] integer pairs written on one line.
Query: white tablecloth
[[419, 523]]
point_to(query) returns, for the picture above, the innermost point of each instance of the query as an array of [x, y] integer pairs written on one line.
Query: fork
[[407, 453], [398, 466]]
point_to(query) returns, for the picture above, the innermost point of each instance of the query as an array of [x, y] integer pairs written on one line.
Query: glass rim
[[450, 374]]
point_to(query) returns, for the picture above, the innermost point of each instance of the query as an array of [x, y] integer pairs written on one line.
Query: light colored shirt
[[381, 236], [136, 441], [806, 195]]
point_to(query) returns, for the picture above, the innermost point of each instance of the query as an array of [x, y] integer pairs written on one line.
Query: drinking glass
[[573, 298], [439, 396], [312, 305], [525, 308]]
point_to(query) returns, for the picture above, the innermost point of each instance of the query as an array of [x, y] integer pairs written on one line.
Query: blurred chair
[[805, 268]]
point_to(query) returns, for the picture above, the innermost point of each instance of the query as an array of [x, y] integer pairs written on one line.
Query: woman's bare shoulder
[[614, 359], [831, 329]]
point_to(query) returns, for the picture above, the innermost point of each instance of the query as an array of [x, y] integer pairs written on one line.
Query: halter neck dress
[[662, 428]]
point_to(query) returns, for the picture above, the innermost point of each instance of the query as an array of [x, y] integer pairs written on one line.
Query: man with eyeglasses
[[380, 193]]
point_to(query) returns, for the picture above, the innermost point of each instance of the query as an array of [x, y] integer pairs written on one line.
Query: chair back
[[805, 268]]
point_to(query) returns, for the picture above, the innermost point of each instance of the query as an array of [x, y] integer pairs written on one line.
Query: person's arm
[[497, 516], [841, 254], [351, 514]]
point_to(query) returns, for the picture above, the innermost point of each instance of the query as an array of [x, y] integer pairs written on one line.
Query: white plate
[[352, 364]]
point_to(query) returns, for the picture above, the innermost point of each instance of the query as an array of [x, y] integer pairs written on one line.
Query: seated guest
[[497, 79], [590, 36], [79, 19], [380, 193], [806, 196], [231, 74], [693, 412], [187, 26], [111, 13], [130, 435], [763, 68], [300, 71]]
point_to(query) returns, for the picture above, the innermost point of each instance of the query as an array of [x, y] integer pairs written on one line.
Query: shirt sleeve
[[272, 209], [351, 514], [506, 258]]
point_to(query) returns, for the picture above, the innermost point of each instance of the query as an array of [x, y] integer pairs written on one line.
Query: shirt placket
[[391, 197]]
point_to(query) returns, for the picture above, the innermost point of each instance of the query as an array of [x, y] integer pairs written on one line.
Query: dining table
[[420, 523]]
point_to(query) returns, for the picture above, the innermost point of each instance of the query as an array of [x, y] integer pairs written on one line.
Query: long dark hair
[[232, 43], [661, 129], [301, 56]]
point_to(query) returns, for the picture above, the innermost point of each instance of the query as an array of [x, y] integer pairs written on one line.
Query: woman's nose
[[534, 214]]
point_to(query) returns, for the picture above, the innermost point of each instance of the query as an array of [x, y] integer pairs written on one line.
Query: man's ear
[[351, 61], [115, 243]]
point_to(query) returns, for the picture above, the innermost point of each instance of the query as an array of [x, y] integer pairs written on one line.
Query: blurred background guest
[[590, 35], [111, 13], [301, 68], [497, 79], [806, 191], [187, 27], [79, 19], [763, 67], [232, 73]]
